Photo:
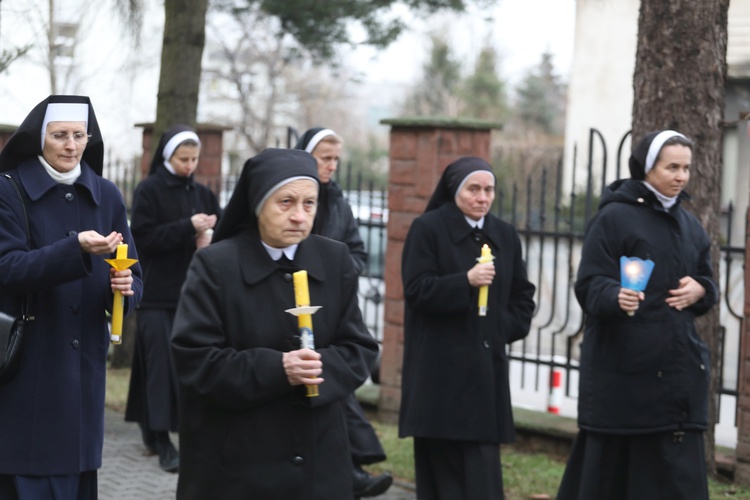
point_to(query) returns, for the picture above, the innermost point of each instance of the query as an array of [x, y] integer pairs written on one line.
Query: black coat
[[455, 370], [339, 224], [160, 221], [52, 411], [650, 371], [244, 431]]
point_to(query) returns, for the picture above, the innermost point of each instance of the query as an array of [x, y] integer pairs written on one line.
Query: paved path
[[128, 474]]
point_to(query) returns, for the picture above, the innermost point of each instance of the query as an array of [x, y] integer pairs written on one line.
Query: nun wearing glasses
[[52, 407], [643, 388]]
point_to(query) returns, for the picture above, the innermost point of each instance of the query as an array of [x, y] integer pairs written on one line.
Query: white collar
[[475, 223], [276, 253], [666, 201], [61, 177]]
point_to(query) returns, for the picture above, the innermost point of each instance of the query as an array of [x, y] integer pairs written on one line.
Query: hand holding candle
[[120, 263], [304, 313], [484, 290], [634, 274]]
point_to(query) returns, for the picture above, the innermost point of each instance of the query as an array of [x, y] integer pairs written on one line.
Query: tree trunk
[[679, 84], [51, 49], [182, 50]]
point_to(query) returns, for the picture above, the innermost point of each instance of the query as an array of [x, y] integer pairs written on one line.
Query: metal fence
[[551, 225]]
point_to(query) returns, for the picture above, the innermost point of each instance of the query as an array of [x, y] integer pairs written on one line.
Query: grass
[[525, 475], [118, 381]]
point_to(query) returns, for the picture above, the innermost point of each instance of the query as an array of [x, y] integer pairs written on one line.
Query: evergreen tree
[[541, 98], [484, 91], [437, 93]]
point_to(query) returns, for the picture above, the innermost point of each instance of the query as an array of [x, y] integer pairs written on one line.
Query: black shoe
[[367, 485], [169, 457], [149, 440]]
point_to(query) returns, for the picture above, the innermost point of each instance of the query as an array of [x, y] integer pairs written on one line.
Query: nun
[[455, 395], [334, 219], [644, 372], [52, 409], [172, 217], [247, 428]]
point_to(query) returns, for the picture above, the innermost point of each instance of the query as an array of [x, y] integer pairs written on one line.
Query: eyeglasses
[[63, 137]]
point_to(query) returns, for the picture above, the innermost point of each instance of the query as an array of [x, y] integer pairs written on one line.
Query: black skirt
[[152, 396], [661, 466], [83, 486], [457, 470]]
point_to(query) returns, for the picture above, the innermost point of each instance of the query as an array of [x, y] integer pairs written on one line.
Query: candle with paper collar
[[634, 274], [304, 321], [120, 263], [484, 290]]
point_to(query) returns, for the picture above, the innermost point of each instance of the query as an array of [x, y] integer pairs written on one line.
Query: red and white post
[[555, 392]]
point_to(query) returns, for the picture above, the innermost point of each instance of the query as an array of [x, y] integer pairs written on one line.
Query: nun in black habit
[[52, 409], [643, 387], [455, 395], [172, 216], [247, 428], [335, 220]]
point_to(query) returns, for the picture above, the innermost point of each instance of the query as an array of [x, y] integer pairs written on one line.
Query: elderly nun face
[[476, 194], [287, 216], [64, 143]]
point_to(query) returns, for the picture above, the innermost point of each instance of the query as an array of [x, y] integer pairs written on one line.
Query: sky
[[521, 30]]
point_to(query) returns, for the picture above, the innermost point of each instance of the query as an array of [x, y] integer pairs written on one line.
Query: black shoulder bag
[[12, 328]]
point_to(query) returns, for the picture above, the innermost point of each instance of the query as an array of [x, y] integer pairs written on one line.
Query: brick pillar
[[209, 162], [420, 149], [742, 468]]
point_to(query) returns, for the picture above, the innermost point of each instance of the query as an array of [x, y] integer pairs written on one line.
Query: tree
[[318, 26], [678, 84], [55, 42], [8, 56], [438, 92], [541, 99], [483, 91], [181, 55], [259, 82]]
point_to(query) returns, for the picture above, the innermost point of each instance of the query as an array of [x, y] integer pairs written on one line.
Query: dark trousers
[[457, 470], [363, 441], [82, 486], [661, 466]]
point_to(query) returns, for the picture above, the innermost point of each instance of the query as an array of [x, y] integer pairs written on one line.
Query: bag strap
[[26, 304]]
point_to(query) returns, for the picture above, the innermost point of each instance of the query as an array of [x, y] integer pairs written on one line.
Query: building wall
[[600, 90]]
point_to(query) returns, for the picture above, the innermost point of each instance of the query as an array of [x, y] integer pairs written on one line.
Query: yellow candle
[[122, 251], [484, 290], [301, 289], [304, 321], [120, 263]]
